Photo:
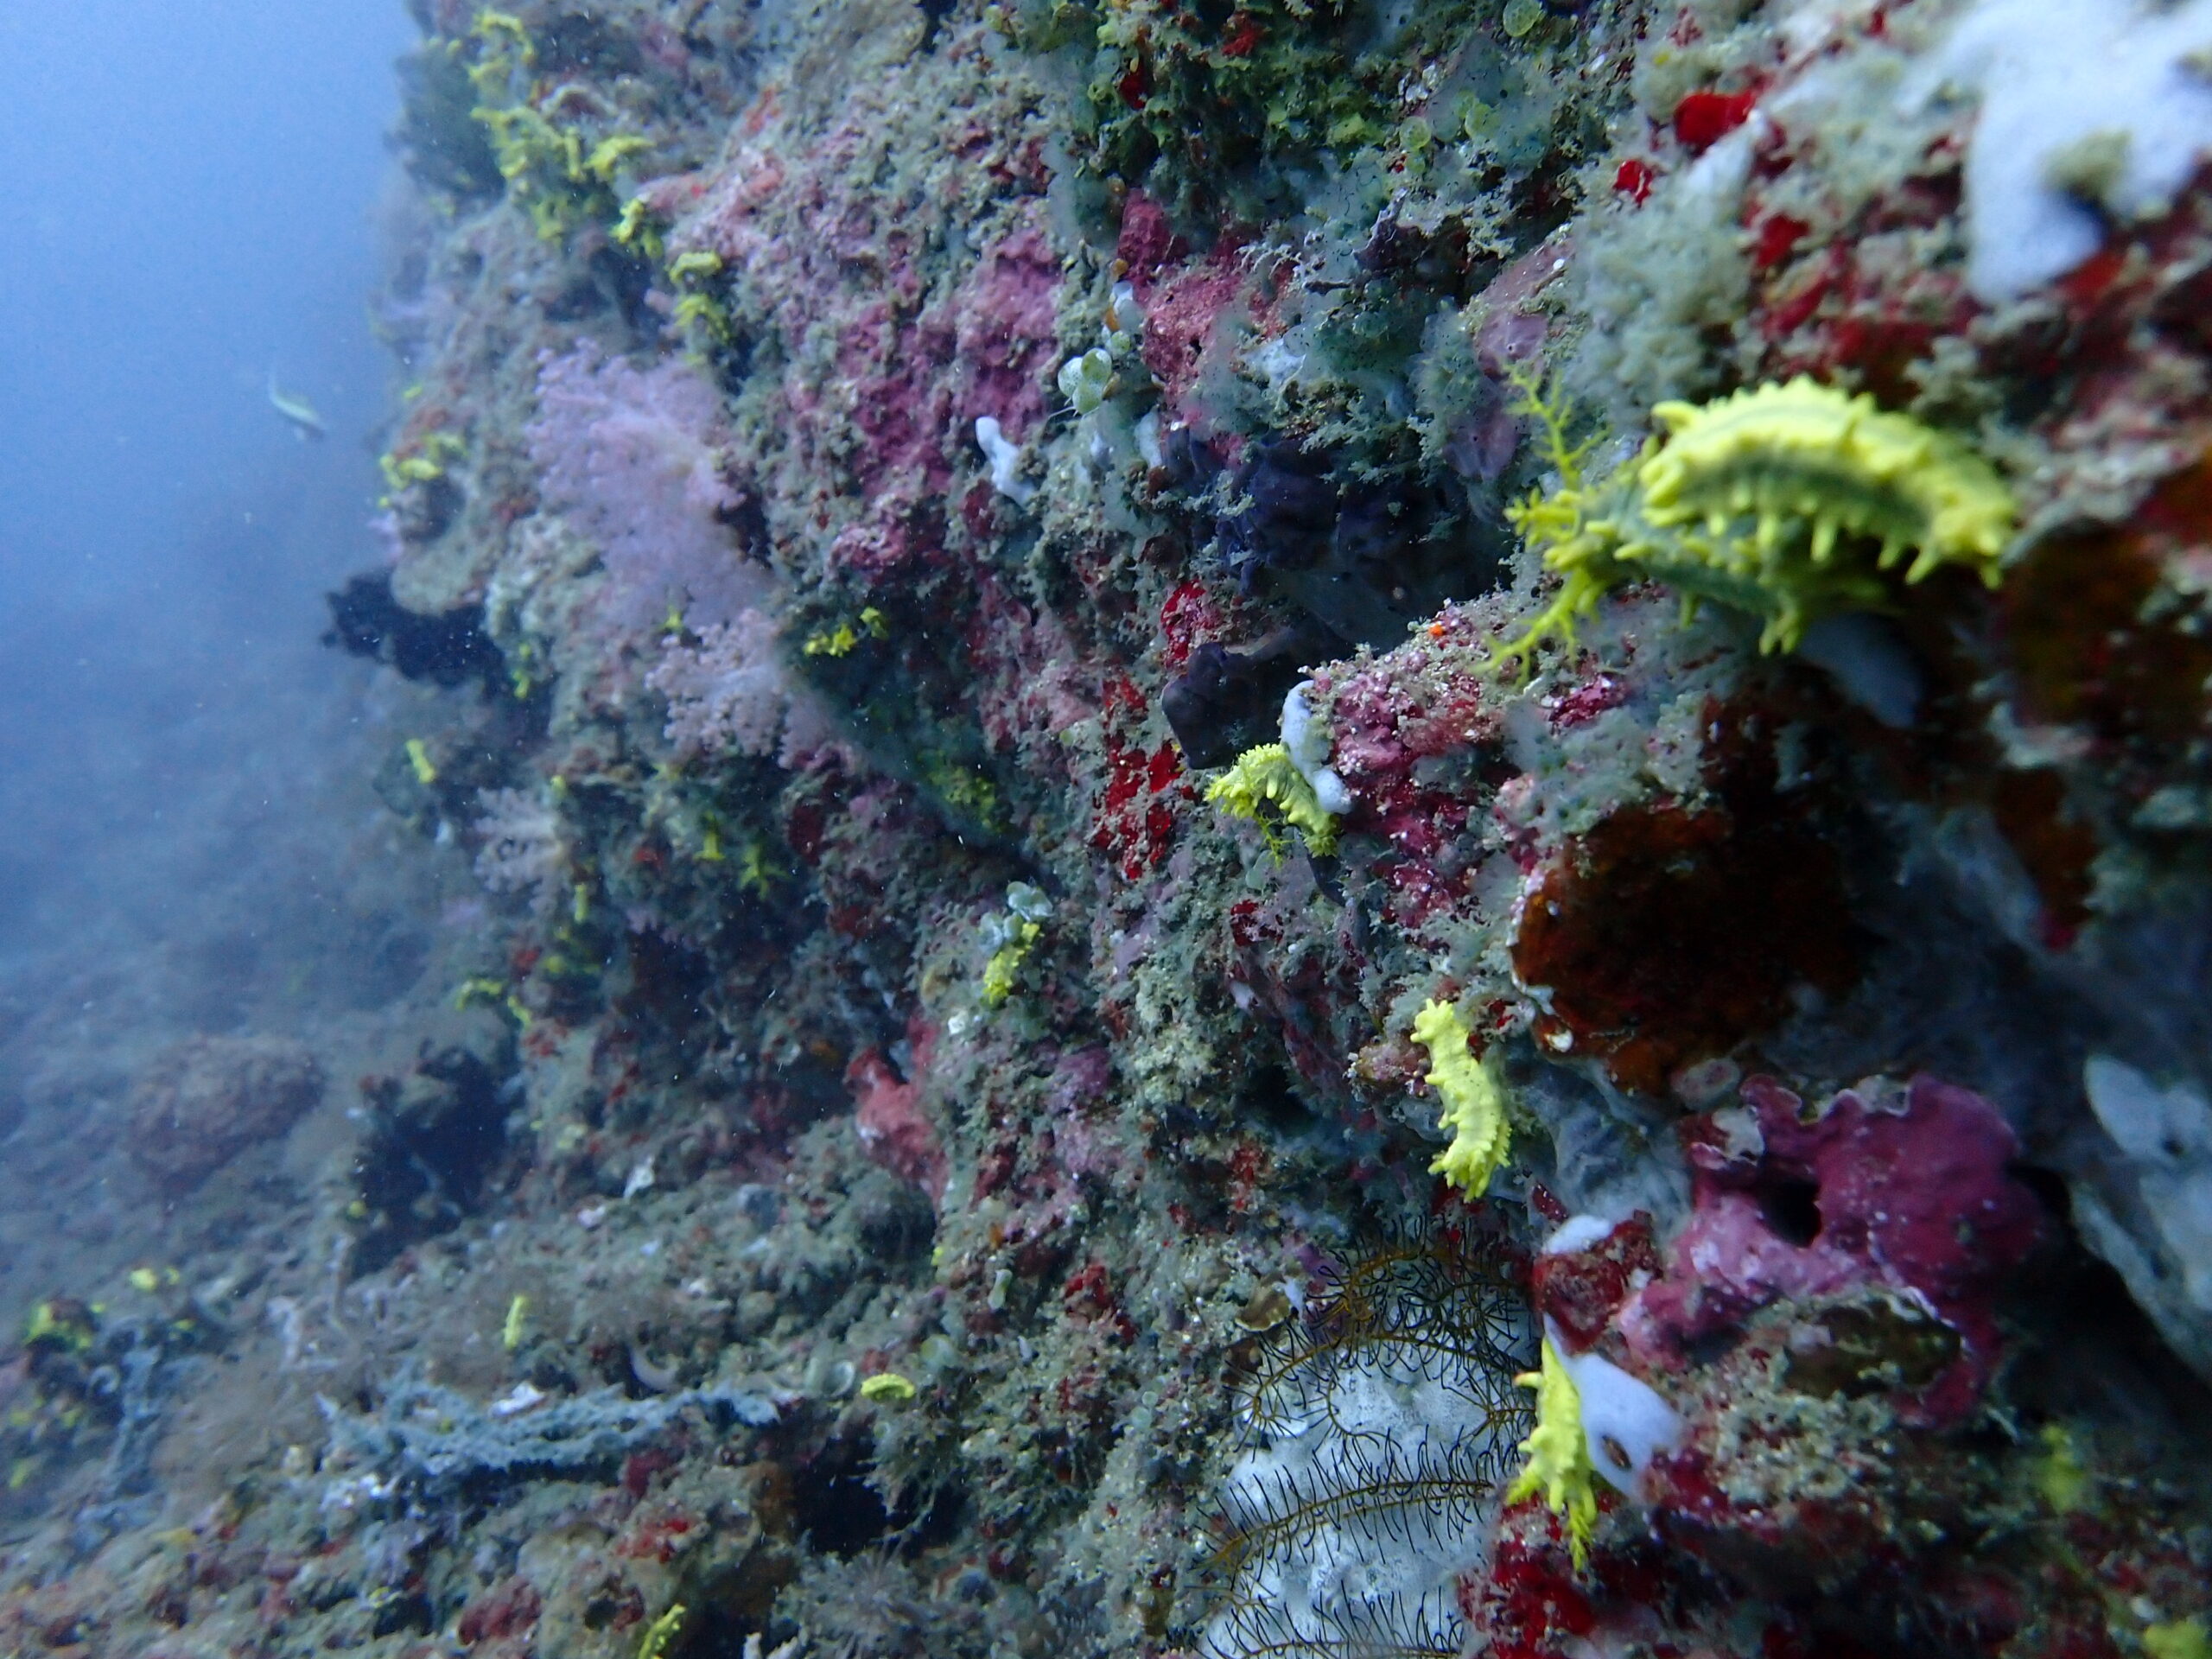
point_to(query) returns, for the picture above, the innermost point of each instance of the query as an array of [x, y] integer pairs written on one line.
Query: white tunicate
[[1147, 440], [1308, 740], [2171, 1126], [1625, 1422], [2085, 105], [1277, 362], [1124, 318], [517, 1400], [1577, 1233], [1005, 457]]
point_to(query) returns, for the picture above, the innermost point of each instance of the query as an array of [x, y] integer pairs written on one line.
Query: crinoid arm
[[1380, 1433]]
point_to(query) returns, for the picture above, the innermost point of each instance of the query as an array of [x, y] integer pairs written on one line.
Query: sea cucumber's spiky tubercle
[[1474, 1106], [1753, 502]]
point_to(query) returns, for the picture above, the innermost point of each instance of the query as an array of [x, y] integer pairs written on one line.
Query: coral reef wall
[[1296, 828]]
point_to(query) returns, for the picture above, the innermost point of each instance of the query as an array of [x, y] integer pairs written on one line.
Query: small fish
[[297, 410]]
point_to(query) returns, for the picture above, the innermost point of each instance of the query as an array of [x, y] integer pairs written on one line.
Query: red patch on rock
[[1179, 317], [1578, 1291], [507, 1608], [1703, 119], [1666, 935], [891, 1125], [1148, 241]]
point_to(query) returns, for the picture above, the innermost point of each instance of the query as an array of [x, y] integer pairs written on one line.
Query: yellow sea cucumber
[[661, 1632], [1558, 1453], [1265, 784], [1770, 502], [1474, 1106]]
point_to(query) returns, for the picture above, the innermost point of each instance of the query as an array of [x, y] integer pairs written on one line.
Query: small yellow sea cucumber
[[1264, 785], [1558, 1454], [661, 1632], [1770, 502], [1474, 1106]]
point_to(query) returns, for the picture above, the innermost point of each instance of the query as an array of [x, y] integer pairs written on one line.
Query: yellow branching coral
[[1786, 502], [1474, 1106], [546, 164], [423, 461], [639, 228], [1265, 784], [1559, 1455], [610, 153]]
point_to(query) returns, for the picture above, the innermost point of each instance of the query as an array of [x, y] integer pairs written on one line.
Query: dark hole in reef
[[1792, 1209], [409, 1612], [894, 1220], [728, 1603], [443, 146], [1269, 1098], [837, 1507], [627, 280], [580, 299], [436, 1136], [2086, 1341], [446, 650], [667, 981], [2050, 1188], [934, 12], [1872, 1344], [1224, 702], [585, 45], [711, 1633], [1667, 937]]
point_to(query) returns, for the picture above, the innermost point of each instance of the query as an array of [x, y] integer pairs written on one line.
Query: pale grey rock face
[[2151, 1214]]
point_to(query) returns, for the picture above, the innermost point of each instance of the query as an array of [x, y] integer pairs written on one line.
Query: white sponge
[[1308, 740], [2082, 100]]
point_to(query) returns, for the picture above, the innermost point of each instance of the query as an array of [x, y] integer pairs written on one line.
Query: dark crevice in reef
[[448, 650], [838, 1505], [436, 1135]]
